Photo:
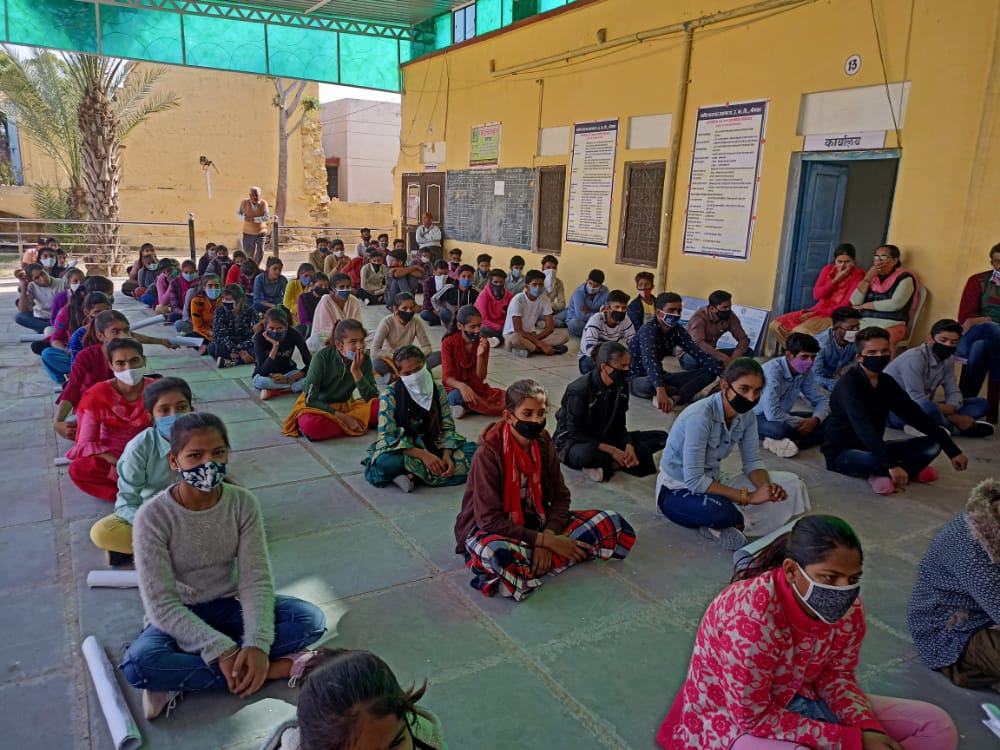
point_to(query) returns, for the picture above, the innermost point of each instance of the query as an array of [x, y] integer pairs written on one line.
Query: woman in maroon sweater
[[516, 525]]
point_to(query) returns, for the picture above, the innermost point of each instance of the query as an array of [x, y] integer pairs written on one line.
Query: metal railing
[[349, 235], [77, 238]]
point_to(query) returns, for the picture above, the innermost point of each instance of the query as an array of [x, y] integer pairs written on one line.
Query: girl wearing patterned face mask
[[187, 540], [793, 627], [143, 469], [109, 415]]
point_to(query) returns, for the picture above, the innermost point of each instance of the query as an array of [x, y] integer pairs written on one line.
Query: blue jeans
[[430, 317], [911, 455], [687, 383], [262, 382], [455, 398], [28, 320], [183, 327], [971, 407], [693, 510], [780, 430], [981, 349], [690, 363], [148, 299], [154, 662], [586, 365], [56, 363], [576, 326], [559, 318]]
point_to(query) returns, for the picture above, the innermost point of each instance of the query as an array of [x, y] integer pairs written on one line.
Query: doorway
[[422, 192], [834, 198]]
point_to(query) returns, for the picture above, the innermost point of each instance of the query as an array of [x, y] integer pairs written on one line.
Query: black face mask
[[321, 291], [618, 315], [618, 377], [741, 404], [723, 314], [404, 317], [498, 290], [942, 351], [473, 337], [229, 304], [875, 362], [529, 430]]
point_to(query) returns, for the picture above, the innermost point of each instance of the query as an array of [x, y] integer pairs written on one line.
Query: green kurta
[[329, 380]]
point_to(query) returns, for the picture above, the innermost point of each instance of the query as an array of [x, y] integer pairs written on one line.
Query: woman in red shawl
[[515, 525], [833, 289], [465, 358]]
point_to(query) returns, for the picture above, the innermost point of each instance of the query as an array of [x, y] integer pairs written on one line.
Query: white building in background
[[361, 144]]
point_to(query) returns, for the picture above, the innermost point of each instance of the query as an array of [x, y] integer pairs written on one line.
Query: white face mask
[[338, 253], [420, 386], [132, 376], [48, 262], [74, 287], [550, 278], [439, 282], [849, 336]]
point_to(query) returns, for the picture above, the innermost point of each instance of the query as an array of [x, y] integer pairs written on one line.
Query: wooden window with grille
[[642, 205], [549, 208]]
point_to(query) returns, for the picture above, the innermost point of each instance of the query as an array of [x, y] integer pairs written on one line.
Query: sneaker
[[522, 353], [266, 393], [367, 302], [731, 539], [784, 448], [595, 474], [913, 431], [979, 430], [493, 341], [926, 475], [881, 485], [560, 349], [117, 559], [403, 482], [154, 701], [457, 412], [223, 362]]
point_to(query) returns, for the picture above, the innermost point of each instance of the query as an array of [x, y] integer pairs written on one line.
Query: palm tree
[[100, 101]]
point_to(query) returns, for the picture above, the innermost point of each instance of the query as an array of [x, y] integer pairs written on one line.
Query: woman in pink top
[[774, 659], [833, 289], [109, 415]]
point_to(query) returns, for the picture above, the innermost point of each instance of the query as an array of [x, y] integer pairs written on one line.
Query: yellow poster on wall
[[484, 146]]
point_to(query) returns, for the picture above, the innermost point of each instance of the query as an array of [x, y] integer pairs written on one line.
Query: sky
[[329, 92]]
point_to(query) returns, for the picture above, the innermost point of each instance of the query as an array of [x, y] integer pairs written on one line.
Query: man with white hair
[[255, 214]]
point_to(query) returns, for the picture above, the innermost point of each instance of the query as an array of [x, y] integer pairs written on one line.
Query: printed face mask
[[205, 477], [131, 376], [828, 603], [277, 335], [670, 319], [995, 278]]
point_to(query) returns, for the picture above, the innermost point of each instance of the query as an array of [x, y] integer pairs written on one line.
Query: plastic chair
[[904, 342]]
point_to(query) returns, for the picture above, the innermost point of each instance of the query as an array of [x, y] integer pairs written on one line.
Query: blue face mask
[[212, 294], [163, 424], [276, 335], [305, 279], [515, 273], [533, 290], [670, 320], [189, 276], [465, 283], [343, 293], [349, 353]]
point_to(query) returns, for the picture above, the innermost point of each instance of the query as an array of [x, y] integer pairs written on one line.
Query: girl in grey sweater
[[212, 618]]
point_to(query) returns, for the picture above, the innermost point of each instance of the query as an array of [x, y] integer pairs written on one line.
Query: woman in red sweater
[[515, 525], [774, 659]]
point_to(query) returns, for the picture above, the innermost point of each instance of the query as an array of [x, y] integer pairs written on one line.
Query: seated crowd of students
[[138, 441]]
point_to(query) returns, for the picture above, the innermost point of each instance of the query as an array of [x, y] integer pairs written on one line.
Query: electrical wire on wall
[[885, 77]]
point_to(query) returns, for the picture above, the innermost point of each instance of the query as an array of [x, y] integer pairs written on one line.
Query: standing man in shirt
[[979, 314], [429, 236], [925, 369], [659, 339], [853, 442], [783, 430], [255, 214], [836, 347], [707, 326]]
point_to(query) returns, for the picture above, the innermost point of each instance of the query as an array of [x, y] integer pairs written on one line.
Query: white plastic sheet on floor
[[113, 579], [121, 723]]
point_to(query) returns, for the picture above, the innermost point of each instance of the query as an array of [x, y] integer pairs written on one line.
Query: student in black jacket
[[859, 407], [590, 425]]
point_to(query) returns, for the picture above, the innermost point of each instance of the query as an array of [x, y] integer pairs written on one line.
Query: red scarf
[[520, 461]]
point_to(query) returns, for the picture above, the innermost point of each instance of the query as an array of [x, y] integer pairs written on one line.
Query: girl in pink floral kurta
[[774, 659]]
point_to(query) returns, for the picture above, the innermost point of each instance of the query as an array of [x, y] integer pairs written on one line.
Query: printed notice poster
[[591, 182], [725, 169], [484, 148]]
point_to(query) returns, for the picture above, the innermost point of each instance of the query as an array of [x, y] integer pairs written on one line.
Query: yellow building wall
[[944, 49], [227, 117]]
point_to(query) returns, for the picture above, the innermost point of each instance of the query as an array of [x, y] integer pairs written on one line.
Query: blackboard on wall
[[474, 213]]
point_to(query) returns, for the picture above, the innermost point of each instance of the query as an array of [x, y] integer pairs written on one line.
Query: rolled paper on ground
[[152, 321], [113, 579], [124, 731], [27, 338], [743, 556], [193, 341]]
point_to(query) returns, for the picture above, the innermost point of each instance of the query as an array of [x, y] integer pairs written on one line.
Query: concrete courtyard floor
[[592, 660]]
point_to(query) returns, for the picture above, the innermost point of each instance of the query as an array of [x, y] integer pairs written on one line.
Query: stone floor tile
[[343, 454], [39, 713], [19, 506], [234, 412], [392, 501], [35, 633], [208, 391], [311, 506], [257, 433], [433, 534], [27, 556], [280, 464]]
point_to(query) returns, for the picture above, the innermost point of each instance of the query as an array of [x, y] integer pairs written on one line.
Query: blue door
[[821, 212]]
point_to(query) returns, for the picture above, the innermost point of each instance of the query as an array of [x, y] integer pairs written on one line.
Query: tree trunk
[[281, 195], [100, 154], [76, 199]]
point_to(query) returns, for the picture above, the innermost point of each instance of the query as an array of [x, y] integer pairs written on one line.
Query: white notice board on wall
[[591, 182], [725, 172]]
